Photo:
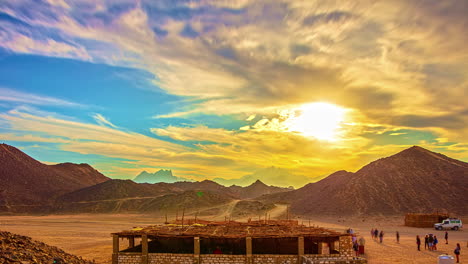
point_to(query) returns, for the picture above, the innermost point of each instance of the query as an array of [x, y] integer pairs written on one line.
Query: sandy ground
[[392, 252], [89, 235]]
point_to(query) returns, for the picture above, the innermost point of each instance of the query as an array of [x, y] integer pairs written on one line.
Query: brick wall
[[129, 258], [274, 259], [167, 258], [222, 259]]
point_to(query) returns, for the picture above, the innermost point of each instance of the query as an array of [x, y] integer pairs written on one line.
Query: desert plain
[[88, 235]]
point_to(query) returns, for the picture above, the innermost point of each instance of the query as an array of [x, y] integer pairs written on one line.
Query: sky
[[222, 89]]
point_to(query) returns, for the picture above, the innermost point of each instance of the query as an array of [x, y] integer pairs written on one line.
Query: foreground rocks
[[21, 249]]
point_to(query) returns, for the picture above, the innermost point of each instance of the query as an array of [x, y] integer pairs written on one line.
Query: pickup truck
[[449, 223]]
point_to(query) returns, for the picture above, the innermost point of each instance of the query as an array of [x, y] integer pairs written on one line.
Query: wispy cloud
[[10, 95], [103, 121]]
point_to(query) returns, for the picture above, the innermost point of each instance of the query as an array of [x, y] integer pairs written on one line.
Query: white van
[[449, 223]]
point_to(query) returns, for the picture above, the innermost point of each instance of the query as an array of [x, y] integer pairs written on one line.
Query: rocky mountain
[[22, 249], [26, 183], [162, 203], [159, 176], [118, 189], [127, 196], [414, 180], [270, 176]]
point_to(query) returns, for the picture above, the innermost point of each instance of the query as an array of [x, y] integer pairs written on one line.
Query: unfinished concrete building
[[254, 242]]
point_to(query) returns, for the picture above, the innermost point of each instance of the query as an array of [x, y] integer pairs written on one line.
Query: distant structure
[[253, 242], [424, 220]]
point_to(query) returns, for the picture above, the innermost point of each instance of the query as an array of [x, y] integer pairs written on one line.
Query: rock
[[21, 249]]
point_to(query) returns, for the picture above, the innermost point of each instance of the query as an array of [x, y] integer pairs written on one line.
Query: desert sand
[[88, 235]]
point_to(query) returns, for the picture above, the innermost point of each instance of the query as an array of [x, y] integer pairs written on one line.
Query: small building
[[253, 242]]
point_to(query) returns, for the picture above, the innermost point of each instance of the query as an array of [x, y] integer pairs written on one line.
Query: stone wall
[[167, 258], [331, 259], [346, 246], [274, 259], [222, 259], [129, 258]]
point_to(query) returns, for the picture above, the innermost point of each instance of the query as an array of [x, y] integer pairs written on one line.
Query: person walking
[[381, 236], [426, 241], [434, 245], [418, 242], [356, 248], [457, 252], [376, 233], [397, 237], [446, 237], [362, 242]]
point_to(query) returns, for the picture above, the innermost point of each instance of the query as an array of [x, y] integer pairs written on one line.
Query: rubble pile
[[21, 249]]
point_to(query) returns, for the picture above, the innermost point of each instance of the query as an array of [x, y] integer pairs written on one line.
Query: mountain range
[[29, 186], [271, 176], [414, 180]]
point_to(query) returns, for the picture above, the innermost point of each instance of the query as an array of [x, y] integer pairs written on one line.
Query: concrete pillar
[[131, 242], [115, 250], [320, 248], [144, 249], [300, 249], [196, 250], [248, 250]]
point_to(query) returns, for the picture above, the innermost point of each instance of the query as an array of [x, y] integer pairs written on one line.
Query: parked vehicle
[[449, 223]]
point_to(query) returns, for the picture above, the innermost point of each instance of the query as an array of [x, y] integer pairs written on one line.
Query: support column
[[332, 246], [115, 250], [131, 242], [248, 250], [196, 250], [320, 248], [144, 249], [300, 249]]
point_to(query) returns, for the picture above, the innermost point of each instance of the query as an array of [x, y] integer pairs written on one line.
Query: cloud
[[103, 121], [14, 96], [396, 64]]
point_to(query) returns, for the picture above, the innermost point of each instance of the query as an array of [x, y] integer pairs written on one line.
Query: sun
[[319, 120]]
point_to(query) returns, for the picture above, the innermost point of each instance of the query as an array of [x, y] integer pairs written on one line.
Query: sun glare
[[319, 120]]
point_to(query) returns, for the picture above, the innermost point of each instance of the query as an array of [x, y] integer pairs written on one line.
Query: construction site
[[231, 242]]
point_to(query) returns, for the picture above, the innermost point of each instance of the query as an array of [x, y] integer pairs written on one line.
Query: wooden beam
[[131, 242], [115, 249], [300, 249], [144, 249], [248, 250], [196, 249]]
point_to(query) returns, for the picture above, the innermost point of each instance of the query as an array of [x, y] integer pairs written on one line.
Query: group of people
[[376, 234], [431, 241], [358, 245]]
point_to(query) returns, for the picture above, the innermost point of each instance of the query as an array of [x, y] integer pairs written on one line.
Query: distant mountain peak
[[415, 150], [161, 175], [258, 182]]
